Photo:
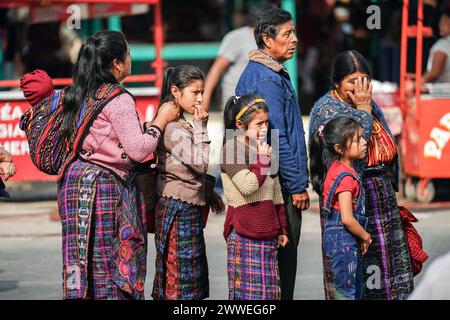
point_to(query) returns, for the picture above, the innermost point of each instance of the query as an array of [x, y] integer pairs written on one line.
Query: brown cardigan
[[183, 156]]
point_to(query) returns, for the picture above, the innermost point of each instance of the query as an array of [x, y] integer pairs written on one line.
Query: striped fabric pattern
[[49, 150], [389, 249], [181, 265], [104, 238], [252, 269], [247, 181], [381, 147], [255, 202]]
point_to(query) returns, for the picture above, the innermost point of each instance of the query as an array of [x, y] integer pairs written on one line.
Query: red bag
[[418, 255]]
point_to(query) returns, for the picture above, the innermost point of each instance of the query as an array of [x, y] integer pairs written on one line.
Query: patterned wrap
[[252, 269], [104, 239], [389, 250], [387, 266], [49, 151], [181, 266]]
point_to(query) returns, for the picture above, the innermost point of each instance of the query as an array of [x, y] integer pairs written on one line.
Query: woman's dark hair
[[268, 24], [235, 104], [340, 131], [91, 70], [180, 76], [349, 62]]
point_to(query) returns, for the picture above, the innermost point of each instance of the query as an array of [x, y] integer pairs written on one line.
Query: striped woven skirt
[[252, 269], [181, 266], [104, 241], [387, 264]]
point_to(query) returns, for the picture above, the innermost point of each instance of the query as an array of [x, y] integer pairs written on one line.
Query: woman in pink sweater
[[101, 208]]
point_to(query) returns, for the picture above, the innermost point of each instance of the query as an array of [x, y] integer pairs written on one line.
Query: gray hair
[[268, 23]]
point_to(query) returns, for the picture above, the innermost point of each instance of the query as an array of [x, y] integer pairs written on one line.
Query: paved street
[[30, 252]]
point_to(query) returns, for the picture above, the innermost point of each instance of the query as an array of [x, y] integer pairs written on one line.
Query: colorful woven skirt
[[104, 239], [181, 266], [252, 269], [386, 265]]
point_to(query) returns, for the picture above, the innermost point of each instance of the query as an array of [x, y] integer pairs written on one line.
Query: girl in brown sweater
[[255, 224], [181, 265]]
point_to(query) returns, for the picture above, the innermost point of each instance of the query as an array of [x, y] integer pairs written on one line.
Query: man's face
[[282, 48]]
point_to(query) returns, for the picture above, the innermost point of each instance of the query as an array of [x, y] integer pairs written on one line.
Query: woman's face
[[190, 96], [348, 84]]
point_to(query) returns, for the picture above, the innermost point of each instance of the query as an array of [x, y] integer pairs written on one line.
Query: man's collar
[[263, 58]]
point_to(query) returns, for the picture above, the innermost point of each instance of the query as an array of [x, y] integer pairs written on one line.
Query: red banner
[[426, 139], [14, 140]]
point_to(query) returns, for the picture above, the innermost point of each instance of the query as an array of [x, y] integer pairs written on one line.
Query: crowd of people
[[264, 170]]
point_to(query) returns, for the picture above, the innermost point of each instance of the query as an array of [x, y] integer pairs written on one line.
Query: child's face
[[190, 96], [257, 128], [357, 147]]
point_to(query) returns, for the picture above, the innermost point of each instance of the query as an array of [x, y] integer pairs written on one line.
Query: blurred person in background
[[232, 57], [438, 66]]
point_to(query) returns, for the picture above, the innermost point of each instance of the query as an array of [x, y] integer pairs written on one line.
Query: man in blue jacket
[[265, 76]]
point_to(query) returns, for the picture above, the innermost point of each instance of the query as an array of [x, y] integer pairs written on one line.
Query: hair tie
[[320, 130], [248, 106]]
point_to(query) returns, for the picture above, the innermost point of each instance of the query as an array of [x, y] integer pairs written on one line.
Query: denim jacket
[[267, 78]]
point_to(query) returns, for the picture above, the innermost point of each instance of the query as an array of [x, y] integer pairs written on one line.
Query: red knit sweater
[[256, 208]]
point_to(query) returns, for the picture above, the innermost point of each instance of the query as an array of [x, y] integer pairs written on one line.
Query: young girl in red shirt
[[333, 150]]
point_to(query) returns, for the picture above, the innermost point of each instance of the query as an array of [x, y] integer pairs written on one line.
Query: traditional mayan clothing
[[252, 268], [387, 264], [101, 208], [255, 218], [104, 236], [181, 266]]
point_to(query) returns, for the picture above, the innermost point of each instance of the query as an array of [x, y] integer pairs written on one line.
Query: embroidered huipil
[[114, 141], [116, 138]]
